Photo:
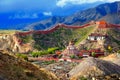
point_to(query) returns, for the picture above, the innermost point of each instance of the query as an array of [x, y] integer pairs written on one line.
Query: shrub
[[52, 50], [80, 57], [44, 52], [118, 51], [110, 49], [93, 54], [39, 53], [48, 62], [72, 56], [23, 56], [82, 78], [26, 39], [34, 54]]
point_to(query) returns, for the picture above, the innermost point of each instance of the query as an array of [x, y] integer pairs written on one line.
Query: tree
[[118, 51], [93, 54], [110, 49]]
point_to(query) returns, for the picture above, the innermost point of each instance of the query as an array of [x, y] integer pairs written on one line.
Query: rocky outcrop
[[92, 67], [113, 58], [11, 43]]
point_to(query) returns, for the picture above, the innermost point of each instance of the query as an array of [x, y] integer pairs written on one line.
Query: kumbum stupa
[[69, 51]]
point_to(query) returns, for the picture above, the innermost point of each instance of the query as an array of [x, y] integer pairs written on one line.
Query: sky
[[44, 6], [11, 5]]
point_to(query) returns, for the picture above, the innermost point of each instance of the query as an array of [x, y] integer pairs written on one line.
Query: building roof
[[103, 22], [96, 34], [92, 50]]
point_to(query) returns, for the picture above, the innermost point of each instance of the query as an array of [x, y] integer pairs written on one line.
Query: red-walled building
[[87, 53], [102, 24]]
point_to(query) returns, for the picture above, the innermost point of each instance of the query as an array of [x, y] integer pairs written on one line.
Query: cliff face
[[11, 43]]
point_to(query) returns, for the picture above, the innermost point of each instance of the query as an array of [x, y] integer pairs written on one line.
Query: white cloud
[[62, 3], [23, 16], [47, 13]]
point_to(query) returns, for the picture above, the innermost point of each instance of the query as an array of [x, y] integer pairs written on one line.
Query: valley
[[59, 40], [95, 39]]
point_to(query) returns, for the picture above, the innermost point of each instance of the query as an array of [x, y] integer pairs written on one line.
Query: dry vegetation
[[12, 68], [7, 31], [97, 68]]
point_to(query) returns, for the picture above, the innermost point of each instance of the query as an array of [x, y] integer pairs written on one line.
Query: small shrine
[[70, 50]]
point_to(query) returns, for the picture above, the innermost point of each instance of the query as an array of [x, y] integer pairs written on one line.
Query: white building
[[96, 37]]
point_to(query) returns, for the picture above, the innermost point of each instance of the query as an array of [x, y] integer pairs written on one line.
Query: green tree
[[110, 49], [93, 54], [118, 51]]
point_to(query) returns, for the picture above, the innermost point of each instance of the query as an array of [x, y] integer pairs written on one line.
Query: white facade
[[92, 38], [71, 47]]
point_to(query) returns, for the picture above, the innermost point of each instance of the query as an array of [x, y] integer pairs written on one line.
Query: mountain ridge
[[19, 19], [81, 17]]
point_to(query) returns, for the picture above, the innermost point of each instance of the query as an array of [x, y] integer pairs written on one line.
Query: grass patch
[[84, 32], [23, 56], [48, 62], [44, 52], [7, 31]]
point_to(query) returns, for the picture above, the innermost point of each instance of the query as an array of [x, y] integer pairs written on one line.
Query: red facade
[[97, 52]]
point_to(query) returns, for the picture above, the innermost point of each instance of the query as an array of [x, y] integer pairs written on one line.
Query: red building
[[87, 53], [102, 24]]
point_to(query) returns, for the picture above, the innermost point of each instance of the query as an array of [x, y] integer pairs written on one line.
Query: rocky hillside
[[13, 68], [61, 37], [115, 58], [112, 18], [111, 40], [94, 13], [11, 42], [96, 68], [114, 38], [82, 17]]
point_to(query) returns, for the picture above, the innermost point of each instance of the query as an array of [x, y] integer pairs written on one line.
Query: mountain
[[17, 21], [59, 37], [112, 18], [94, 13], [70, 9], [20, 19], [13, 68], [81, 17]]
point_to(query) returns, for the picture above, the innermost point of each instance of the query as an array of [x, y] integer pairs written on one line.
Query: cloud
[[62, 3], [39, 5], [24, 16], [26, 5], [47, 13]]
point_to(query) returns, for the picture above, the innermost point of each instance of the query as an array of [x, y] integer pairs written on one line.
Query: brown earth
[[92, 67], [11, 43], [113, 58], [13, 68]]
